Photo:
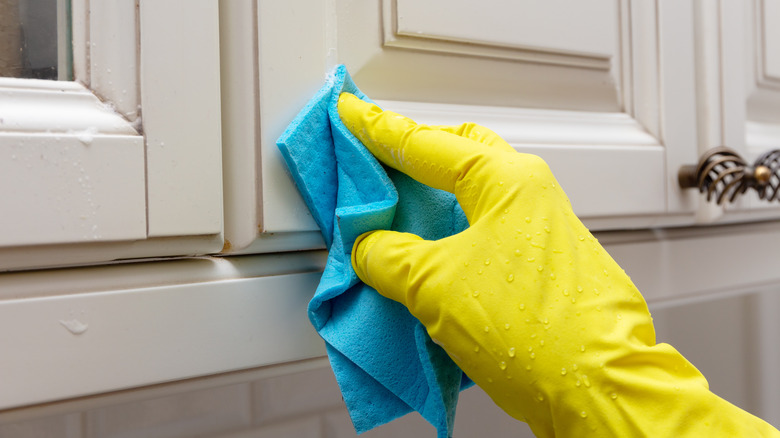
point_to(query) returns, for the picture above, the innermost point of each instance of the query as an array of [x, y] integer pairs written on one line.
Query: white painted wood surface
[[584, 28], [71, 188], [136, 183], [739, 99], [71, 170], [181, 105], [770, 36], [591, 154], [291, 73], [113, 55], [614, 124], [635, 62], [242, 137], [103, 341], [76, 332], [35, 106]]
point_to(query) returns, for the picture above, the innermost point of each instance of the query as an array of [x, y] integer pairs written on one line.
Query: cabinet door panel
[[770, 33], [552, 26], [85, 178], [182, 114], [748, 76], [603, 104], [462, 63]]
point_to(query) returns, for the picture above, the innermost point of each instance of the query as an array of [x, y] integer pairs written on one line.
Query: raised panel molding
[[181, 107], [739, 105], [762, 44], [71, 170], [529, 126], [407, 25], [456, 67], [768, 24], [573, 144], [76, 167], [612, 129]]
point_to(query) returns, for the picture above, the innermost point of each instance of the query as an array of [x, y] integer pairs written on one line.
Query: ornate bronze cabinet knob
[[722, 173]]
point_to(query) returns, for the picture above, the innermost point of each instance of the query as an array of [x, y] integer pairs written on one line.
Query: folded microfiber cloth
[[384, 361]]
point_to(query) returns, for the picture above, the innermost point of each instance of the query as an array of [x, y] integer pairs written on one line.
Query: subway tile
[[296, 394], [310, 427], [197, 413], [338, 425], [60, 426], [477, 415]]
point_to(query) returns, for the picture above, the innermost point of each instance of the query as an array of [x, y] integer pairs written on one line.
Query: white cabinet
[[165, 145], [80, 331], [739, 95], [600, 89], [616, 95], [125, 161]]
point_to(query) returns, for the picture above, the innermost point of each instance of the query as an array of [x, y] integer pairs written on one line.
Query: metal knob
[[722, 173]]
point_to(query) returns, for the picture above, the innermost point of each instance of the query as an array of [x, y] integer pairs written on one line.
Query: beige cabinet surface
[[165, 147], [152, 154], [742, 47], [125, 160], [600, 91]]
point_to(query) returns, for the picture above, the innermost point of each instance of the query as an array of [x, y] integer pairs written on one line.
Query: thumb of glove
[[383, 260]]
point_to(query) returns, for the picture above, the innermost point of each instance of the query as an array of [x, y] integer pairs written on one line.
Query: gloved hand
[[525, 300]]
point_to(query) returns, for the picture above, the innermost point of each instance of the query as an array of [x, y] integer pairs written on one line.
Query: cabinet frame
[[632, 185], [146, 79]]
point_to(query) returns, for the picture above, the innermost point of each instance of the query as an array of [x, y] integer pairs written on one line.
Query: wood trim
[[397, 39], [36, 106], [759, 17], [155, 334], [234, 313], [531, 126], [180, 95], [697, 264], [113, 55]]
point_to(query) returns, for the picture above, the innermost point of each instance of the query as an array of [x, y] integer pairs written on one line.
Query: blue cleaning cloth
[[384, 361]]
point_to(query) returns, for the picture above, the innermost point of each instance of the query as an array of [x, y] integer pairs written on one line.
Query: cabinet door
[[601, 89], [740, 59], [125, 160]]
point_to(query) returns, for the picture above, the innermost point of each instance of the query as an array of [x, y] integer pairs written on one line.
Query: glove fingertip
[[360, 253]]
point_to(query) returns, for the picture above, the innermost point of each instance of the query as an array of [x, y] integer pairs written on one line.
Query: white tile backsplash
[[338, 425], [305, 404], [198, 413], [296, 395], [478, 416], [60, 426], [310, 427]]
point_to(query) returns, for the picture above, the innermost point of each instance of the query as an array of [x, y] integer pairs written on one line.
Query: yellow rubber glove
[[526, 301]]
